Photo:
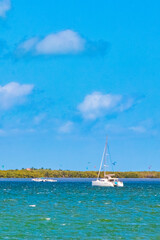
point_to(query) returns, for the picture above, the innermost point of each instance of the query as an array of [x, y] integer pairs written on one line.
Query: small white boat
[[44, 180], [108, 180]]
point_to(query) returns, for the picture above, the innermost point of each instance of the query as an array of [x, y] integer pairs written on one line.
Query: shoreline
[[48, 173], [81, 179]]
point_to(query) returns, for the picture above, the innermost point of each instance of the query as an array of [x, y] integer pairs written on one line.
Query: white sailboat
[[108, 180]]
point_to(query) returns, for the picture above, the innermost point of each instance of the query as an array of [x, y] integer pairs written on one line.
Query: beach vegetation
[[48, 173]]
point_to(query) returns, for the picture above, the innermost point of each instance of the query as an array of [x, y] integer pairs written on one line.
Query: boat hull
[[43, 180], [107, 183], [119, 184], [102, 184]]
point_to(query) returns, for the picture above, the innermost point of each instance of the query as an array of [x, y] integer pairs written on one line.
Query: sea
[[73, 209]]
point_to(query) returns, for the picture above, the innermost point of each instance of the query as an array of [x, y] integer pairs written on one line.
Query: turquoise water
[[76, 210]]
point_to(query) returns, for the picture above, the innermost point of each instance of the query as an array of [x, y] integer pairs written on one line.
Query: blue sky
[[72, 72]]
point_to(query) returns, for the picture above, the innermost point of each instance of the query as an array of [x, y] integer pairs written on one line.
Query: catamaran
[[108, 180]]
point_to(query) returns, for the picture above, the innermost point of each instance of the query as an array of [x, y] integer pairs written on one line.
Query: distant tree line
[[38, 173]]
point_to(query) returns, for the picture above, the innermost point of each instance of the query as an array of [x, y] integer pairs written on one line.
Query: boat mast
[[105, 158], [104, 154]]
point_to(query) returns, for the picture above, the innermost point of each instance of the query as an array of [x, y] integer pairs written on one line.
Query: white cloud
[[14, 93], [96, 105], [146, 126], [5, 5], [138, 129], [61, 43], [16, 131], [39, 118], [66, 128], [64, 42], [28, 45], [21, 131]]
